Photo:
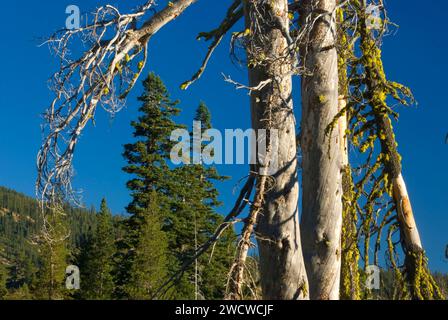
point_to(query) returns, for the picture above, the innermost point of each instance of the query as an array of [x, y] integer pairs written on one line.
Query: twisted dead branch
[[102, 76]]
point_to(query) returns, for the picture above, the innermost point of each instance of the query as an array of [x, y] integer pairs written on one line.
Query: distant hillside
[[20, 221]]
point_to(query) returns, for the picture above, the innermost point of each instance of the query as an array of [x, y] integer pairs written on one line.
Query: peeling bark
[[406, 215], [417, 274]]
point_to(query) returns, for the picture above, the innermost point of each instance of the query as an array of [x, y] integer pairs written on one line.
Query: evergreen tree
[[147, 157], [194, 221], [22, 293], [3, 278], [54, 253], [181, 200], [20, 222], [204, 116], [149, 186], [22, 270], [148, 270], [96, 262], [22, 256]]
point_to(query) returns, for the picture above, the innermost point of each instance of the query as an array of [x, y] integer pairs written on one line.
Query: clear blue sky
[[416, 56]]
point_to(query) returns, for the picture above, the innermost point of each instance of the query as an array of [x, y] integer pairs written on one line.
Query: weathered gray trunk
[[322, 155], [282, 268]]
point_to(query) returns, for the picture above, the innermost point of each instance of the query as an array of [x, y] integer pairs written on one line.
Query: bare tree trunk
[[281, 262], [322, 152]]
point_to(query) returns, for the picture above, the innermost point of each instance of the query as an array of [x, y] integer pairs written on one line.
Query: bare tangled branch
[[107, 70]]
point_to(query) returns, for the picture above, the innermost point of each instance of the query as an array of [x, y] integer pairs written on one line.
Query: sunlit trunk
[[321, 152], [282, 268]]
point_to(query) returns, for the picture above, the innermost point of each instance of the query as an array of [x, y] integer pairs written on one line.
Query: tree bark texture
[[321, 152], [281, 262]]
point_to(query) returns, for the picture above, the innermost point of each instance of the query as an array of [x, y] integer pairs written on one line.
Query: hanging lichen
[[371, 206], [350, 278]]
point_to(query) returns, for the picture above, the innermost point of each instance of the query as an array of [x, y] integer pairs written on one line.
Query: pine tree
[[54, 253], [150, 185], [3, 279], [204, 116], [147, 157], [22, 270], [149, 268], [181, 200], [96, 266], [20, 226], [194, 221]]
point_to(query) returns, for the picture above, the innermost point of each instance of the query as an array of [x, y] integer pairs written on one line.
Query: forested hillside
[[20, 225], [20, 260]]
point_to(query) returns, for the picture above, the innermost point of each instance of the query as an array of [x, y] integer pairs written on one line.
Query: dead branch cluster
[[114, 54]]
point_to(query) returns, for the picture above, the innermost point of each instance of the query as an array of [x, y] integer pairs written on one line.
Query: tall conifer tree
[[96, 263], [149, 268], [194, 221], [3, 275], [142, 256], [180, 200], [54, 253]]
